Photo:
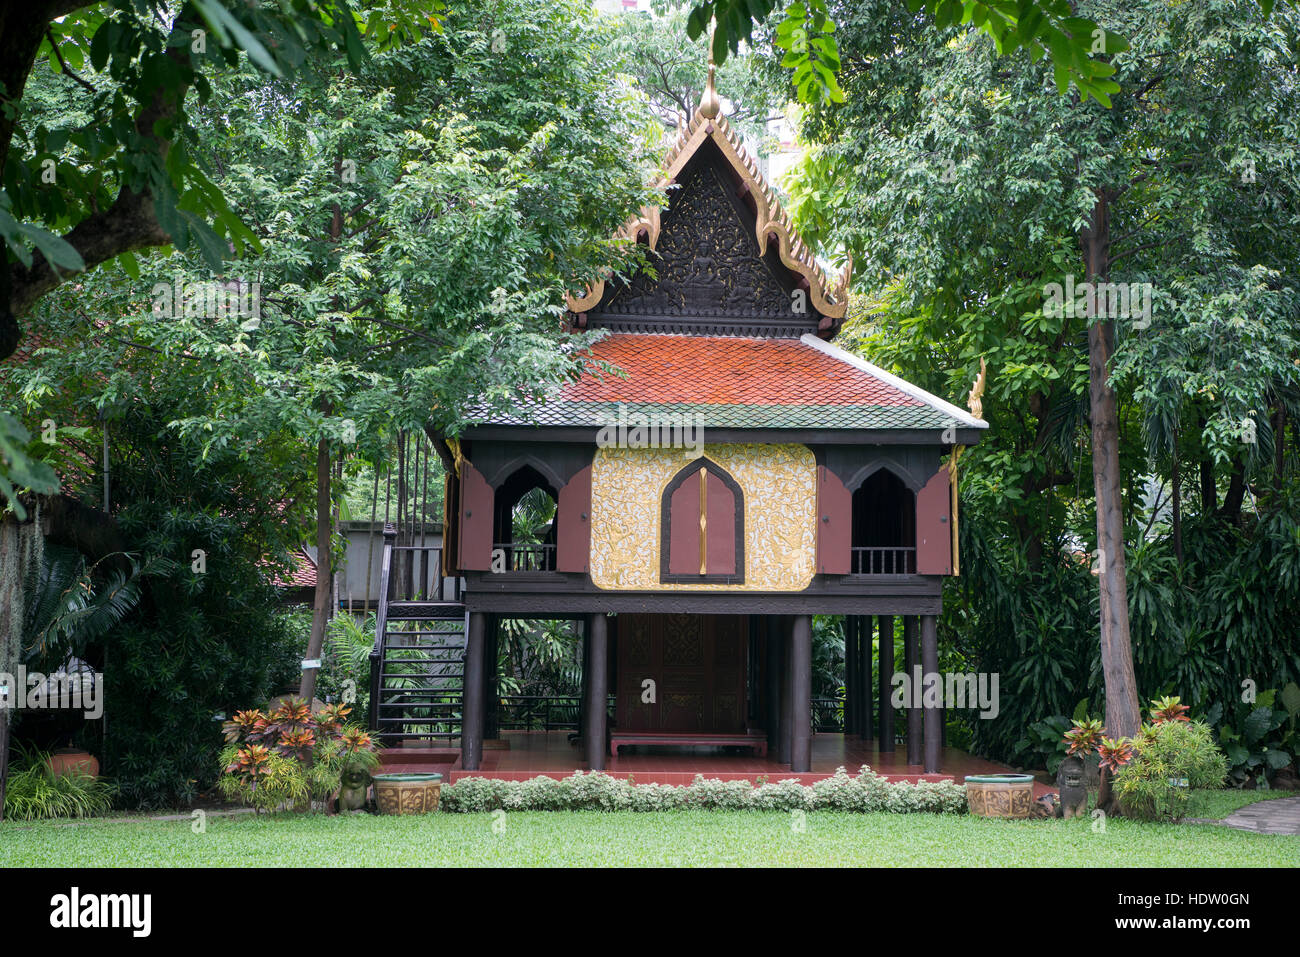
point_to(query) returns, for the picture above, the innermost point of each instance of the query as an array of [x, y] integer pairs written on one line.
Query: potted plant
[[1000, 795]]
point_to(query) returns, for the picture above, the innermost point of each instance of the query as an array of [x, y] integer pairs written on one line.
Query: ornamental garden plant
[[292, 758], [1148, 777]]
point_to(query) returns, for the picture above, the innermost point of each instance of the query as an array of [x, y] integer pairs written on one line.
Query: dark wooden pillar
[[471, 721], [781, 626], [912, 654], [774, 660], [597, 666], [933, 716], [886, 625], [866, 724], [851, 673], [801, 693], [584, 684], [491, 695]]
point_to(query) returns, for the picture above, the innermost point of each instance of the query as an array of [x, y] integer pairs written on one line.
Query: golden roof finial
[[975, 401], [710, 105]]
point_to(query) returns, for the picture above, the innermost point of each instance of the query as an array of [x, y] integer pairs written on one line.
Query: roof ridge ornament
[[710, 105], [773, 224], [975, 400]]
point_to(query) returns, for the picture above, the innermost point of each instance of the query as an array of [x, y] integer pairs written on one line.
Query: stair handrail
[[381, 623]]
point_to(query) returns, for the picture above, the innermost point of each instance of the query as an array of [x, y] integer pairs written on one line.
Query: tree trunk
[[21, 549], [1122, 714], [1233, 498], [1209, 494], [1175, 480], [320, 609], [1279, 447]]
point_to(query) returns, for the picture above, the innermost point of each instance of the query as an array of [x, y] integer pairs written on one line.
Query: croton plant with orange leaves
[[317, 745]]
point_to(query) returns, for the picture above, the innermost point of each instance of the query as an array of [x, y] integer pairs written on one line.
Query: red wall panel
[[721, 529], [573, 543], [476, 500], [834, 524], [933, 526], [684, 528]]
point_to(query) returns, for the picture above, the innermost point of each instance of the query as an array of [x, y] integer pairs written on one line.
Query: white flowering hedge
[[864, 792]]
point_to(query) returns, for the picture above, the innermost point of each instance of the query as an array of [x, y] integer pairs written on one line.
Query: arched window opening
[[523, 537], [884, 526], [702, 526]]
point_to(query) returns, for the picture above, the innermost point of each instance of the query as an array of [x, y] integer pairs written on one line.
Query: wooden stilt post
[[801, 693], [782, 629], [471, 722], [851, 673], [584, 685], [491, 697], [597, 664], [933, 715], [865, 675], [886, 625], [774, 660], [912, 654]]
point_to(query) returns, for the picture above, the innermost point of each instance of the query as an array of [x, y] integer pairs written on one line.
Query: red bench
[[755, 740]]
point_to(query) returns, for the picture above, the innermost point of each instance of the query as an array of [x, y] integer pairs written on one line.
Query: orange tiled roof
[[303, 574], [729, 370], [742, 383]]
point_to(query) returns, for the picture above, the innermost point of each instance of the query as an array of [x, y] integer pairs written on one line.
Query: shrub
[[291, 757], [1170, 751], [34, 792], [865, 792]]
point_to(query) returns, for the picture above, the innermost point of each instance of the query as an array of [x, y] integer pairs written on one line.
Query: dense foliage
[[964, 186], [417, 223]]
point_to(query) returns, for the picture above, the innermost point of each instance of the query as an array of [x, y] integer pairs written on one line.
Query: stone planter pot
[[1000, 795], [67, 760], [407, 793]]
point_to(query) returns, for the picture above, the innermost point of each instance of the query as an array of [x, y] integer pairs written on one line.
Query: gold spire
[[710, 105], [975, 400]]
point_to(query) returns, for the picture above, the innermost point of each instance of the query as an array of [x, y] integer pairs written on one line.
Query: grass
[[1219, 804], [686, 838]]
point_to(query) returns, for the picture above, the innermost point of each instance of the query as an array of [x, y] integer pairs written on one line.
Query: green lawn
[[687, 838]]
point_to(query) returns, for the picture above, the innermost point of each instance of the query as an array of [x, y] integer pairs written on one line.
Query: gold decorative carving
[[975, 400], [829, 297], [779, 483]]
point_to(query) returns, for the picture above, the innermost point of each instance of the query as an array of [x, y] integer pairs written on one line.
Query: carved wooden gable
[[708, 265]]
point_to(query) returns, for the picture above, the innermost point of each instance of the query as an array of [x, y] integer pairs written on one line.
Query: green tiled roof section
[[828, 416]]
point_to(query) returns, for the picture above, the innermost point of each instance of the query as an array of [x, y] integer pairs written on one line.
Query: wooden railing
[[526, 558], [417, 575], [884, 561], [381, 626]]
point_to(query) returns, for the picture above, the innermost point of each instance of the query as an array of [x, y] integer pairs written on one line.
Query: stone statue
[[355, 783], [1070, 782]]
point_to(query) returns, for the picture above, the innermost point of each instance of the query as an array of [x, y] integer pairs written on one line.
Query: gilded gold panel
[[780, 487]]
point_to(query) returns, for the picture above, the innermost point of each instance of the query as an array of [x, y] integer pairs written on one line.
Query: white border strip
[[963, 417]]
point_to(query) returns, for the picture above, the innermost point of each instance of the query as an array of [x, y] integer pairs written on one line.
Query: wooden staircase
[[417, 665]]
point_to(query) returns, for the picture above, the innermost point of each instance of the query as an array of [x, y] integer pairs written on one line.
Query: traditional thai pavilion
[[740, 475]]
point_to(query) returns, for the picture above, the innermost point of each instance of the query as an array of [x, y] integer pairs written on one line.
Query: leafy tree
[[418, 223], [76, 195], [670, 70], [976, 187], [1074, 45]]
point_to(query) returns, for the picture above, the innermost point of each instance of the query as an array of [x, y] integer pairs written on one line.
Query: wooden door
[[697, 664]]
